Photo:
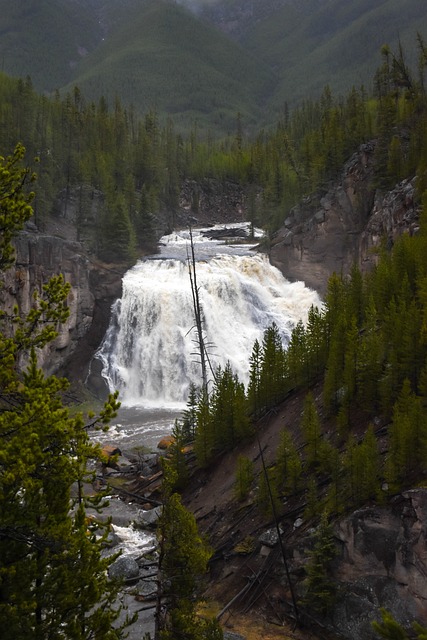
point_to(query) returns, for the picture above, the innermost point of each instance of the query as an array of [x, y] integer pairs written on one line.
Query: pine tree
[[254, 386], [228, 408], [267, 494], [183, 559], [311, 429], [53, 578], [176, 456], [407, 439], [244, 477], [320, 587], [272, 368], [390, 629], [288, 464], [189, 415], [204, 443], [313, 505]]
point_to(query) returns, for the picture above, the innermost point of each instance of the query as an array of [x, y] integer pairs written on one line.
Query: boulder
[[166, 442], [125, 568], [149, 518]]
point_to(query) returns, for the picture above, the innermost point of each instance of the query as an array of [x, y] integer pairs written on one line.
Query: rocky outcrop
[[211, 201], [93, 289], [345, 225], [381, 562]]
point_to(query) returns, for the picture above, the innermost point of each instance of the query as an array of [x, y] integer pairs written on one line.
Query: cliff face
[[39, 257], [343, 226], [383, 563]]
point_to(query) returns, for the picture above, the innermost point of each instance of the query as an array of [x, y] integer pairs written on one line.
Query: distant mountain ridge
[[203, 60]]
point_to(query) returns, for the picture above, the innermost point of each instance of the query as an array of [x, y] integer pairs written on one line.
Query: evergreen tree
[[313, 506], [228, 409], [320, 587], [53, 579], [272, 368], [244, 477], [189, 415], [204, 443], [311, 429], [117, 237], [297, 356], [390, 629], [288, 464], [407, 439], [267, 495], [254, 386], [176, 456], [183, 559]]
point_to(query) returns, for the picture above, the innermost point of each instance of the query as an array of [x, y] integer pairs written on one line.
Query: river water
[[149, 352]]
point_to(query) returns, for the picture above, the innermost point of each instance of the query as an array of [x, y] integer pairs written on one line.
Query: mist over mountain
[[204, 60]]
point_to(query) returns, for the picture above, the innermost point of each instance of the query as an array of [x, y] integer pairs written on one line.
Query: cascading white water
[[149, 352]]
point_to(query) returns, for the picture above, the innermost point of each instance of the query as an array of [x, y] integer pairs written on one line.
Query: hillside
[[204, 61], [46, 40], [313, 43], [164, 58]]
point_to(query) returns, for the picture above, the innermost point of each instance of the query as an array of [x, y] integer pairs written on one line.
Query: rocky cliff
[[345, 224], [93, 289], [381, 563]]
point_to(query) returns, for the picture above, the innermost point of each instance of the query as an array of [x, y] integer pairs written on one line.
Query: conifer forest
[[365, 347]]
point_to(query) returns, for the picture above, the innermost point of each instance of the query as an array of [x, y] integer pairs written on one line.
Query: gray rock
[[149, 518], [344, 225], [269, 538], [124, 567]]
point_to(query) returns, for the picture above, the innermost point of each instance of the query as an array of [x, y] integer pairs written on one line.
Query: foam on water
[[149, 353]]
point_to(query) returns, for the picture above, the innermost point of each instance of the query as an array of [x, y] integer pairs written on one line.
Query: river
[[149, 352]]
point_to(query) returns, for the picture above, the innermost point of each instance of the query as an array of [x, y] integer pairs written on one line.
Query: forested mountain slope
[[203, 61], [313, 43], [164, 58]]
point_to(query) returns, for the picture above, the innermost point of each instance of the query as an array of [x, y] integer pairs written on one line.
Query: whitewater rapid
[[149, 353]]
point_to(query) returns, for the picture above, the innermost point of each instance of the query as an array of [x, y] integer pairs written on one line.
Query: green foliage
[[117, 236], [320, 588], [222, 418], [183, 559], [244, 477], [311, 429], [267, 495], [204, 443], [407, 439], [53, 578], [15, 203], [288, 464], [313, 504], [361, 467], [390, 629], [176, 457]]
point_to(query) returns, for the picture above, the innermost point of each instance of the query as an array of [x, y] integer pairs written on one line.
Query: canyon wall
[[344, 225]]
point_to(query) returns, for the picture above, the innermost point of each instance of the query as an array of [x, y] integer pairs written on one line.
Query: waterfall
[[149, 353]]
